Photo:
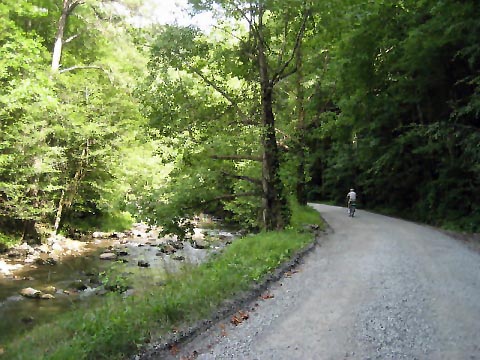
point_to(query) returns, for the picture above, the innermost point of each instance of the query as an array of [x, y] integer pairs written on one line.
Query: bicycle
[[351, 209]]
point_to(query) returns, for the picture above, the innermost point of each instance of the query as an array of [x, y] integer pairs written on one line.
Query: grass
[[119, 326]]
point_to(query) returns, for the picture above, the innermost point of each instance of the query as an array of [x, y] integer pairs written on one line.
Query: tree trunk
[[68, 6], [275, 209], [58, 216]]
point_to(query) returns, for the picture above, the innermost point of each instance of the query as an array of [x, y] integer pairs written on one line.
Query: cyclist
[[351, 199]]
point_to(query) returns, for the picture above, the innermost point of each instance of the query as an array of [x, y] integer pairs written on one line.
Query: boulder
[[30, 293], [50, 289], [108, 256], [200, 244], [143, 263], [47, 296]]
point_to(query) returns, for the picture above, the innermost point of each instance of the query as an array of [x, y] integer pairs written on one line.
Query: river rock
[[177, 245], [167, 249], [117, 235], [78, 285], [179, 257], [108, 256], [199, 244], [47, 296], [30, 293], [143, 263], [14, 254], [44, 249], [27, 249], [50, 290], [49, 261], [57, 246]]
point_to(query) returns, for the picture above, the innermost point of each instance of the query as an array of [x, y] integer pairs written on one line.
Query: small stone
[[47, 296], [108, 256], [143, 263]]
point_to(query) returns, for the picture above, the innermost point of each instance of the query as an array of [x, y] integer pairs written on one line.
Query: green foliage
[[116, 328], [113, 280], [407, 97], [62, 136]]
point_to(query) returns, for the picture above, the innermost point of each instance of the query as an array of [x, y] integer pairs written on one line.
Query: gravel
[[375, 288]]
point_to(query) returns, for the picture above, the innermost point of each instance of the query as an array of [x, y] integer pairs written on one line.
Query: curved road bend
[[377, 288]]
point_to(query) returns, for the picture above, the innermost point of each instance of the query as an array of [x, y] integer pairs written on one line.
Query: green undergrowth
[[8, 240], [108, 221], [120, 326]]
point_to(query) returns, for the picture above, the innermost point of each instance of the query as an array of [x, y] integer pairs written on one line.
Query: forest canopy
[[105, 122]]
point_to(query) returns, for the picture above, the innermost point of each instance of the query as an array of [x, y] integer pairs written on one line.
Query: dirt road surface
[[376, 288]]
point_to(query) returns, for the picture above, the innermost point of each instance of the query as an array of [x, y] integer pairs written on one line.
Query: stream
[[141, 259]]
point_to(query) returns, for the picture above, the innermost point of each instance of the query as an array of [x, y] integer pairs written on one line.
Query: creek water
[[75, 281]]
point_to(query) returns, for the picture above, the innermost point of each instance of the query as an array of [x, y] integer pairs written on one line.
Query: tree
[[60, 134], [404, 74], [269, 46]]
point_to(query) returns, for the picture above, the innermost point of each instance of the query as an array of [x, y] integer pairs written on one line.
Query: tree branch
[[243, 177], [70, 6], [279, 74], [71, 38], [81, 67], [222, 92]]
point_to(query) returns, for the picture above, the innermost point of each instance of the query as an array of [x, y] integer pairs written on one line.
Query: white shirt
[[352, 196]]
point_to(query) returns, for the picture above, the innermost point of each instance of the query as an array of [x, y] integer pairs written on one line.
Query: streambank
[[40, 282]]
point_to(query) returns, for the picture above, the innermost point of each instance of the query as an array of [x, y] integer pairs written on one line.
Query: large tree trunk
[[275, 208]]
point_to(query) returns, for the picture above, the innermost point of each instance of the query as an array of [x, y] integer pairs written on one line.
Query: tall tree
[[275, 30]]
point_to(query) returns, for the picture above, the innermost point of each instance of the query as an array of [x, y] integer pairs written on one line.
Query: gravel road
[[376, 288]]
